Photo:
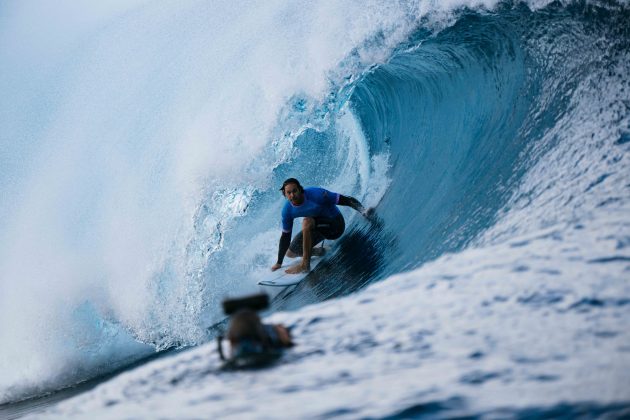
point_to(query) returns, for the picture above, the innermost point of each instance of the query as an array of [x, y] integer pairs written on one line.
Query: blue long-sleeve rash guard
[[318, 202]]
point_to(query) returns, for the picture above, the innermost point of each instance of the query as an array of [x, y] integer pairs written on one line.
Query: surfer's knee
[[308, 223]]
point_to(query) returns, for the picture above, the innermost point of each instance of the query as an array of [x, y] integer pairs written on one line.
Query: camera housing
[[257, 302]]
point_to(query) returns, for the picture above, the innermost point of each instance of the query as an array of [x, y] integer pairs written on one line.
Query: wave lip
[[131, 119]]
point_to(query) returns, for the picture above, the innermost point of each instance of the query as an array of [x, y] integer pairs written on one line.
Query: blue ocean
[[142, 146]]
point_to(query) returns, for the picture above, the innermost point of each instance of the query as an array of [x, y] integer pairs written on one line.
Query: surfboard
[[279, 278]]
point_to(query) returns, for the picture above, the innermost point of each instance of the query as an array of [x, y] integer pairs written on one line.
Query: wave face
[[491, 138]]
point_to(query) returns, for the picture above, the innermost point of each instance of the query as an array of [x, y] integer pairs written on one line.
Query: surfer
[[322, 220]]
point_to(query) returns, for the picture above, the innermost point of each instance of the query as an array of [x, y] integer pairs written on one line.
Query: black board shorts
[[325, 228]]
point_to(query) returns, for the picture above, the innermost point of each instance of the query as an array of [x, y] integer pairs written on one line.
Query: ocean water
[[142, 148]]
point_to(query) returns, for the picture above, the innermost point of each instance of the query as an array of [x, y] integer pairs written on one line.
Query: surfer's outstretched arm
[[283, 246], [355, 204]]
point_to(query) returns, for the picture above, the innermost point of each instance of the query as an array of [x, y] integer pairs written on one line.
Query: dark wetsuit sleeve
[[285, 241], [351, 202]]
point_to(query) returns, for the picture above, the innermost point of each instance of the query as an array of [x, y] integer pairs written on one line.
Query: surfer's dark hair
[[291, 181]]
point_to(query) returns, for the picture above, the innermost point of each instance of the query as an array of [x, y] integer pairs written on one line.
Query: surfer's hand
[[275, 266], [369, 213], [283, 335]]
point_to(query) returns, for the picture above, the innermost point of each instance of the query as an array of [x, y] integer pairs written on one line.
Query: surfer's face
[[293, 194]]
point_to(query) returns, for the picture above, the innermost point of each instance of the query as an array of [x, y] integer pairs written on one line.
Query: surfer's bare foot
[[298, 268]]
